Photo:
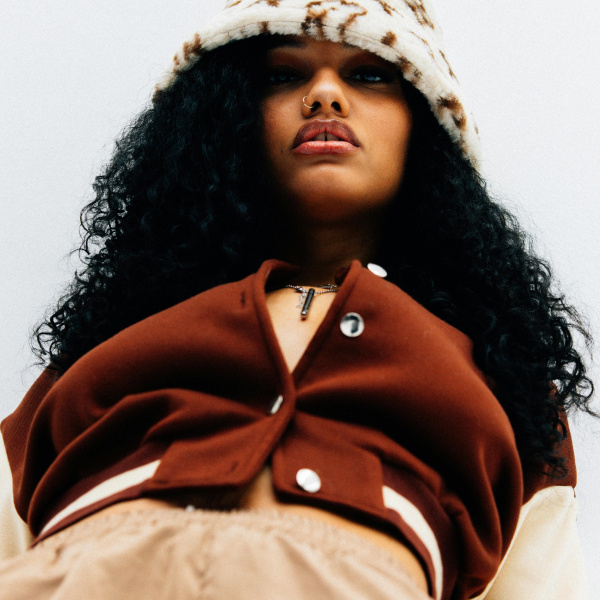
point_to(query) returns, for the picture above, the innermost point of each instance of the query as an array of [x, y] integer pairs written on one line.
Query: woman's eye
[[372, 75], [281, 77]]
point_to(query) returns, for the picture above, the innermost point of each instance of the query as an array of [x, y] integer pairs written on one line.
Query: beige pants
[[172, 554]]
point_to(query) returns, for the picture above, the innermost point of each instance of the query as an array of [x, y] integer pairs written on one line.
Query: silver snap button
[[377, 270], [276, 405], [352, 325], [308, 480]]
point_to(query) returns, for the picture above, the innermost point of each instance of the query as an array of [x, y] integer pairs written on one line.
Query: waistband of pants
[[318, 534], [312, 531]]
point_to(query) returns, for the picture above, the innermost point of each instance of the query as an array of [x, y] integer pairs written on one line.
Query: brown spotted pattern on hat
[[420, 13], [193, 48], [274, 3], [454, 105], [403, 32], [386, 7], [389, 38], [452, 74], [361, 12], [425, 43], [315, 19]]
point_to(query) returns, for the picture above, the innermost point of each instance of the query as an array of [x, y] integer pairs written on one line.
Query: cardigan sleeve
[[544, 560], [15, 536]]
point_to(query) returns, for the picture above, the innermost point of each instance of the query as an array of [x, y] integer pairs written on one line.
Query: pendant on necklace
[[307, 302], [307, 296]]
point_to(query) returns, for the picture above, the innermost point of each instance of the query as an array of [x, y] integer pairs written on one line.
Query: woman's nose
[[326, 95]]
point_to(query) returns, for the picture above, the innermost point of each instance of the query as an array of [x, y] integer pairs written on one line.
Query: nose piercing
[[304, 102]]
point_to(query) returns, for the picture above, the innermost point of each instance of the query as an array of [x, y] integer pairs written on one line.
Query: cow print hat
[[403, 32]]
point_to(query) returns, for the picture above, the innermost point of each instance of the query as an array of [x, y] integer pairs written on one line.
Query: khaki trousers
[[173, 554]]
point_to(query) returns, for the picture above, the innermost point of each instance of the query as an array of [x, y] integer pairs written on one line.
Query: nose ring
[[304, 102]]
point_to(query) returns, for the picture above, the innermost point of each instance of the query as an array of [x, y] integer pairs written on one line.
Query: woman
[[336, 428]]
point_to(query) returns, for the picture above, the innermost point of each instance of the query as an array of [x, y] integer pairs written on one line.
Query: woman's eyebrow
[[289, 42]]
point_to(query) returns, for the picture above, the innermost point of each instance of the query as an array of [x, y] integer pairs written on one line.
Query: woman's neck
[[322, 251]]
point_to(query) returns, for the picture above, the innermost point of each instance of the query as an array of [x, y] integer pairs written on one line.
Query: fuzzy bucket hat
[[403, 32]]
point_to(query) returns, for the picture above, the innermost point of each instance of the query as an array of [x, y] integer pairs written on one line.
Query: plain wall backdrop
[[74, 73]]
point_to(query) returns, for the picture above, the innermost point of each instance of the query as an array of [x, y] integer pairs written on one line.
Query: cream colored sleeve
[[544, 561], [14, 533]]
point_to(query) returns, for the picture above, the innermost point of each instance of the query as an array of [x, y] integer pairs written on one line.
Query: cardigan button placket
[[308, 480], [377, 270], [276, 405], [352, 325]]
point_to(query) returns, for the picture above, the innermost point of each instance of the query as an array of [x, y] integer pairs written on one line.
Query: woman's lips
[[307, 140], [316, 147]]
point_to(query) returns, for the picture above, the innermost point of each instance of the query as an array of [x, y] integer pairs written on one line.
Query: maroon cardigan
[[399, 425]]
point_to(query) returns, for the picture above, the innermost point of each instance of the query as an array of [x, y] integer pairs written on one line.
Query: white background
[[73, 74]]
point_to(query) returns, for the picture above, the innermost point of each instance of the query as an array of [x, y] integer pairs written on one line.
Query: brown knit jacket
[[399, 426]]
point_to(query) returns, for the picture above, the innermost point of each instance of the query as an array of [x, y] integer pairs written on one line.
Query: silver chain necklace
[[307, 295]]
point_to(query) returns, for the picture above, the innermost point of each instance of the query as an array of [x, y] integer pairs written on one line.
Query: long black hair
[[181, 207]]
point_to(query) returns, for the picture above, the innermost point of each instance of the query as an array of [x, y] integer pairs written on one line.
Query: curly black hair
[[181, 207]]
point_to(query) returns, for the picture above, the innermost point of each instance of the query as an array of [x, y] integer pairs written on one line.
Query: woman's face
[[336, 130]]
